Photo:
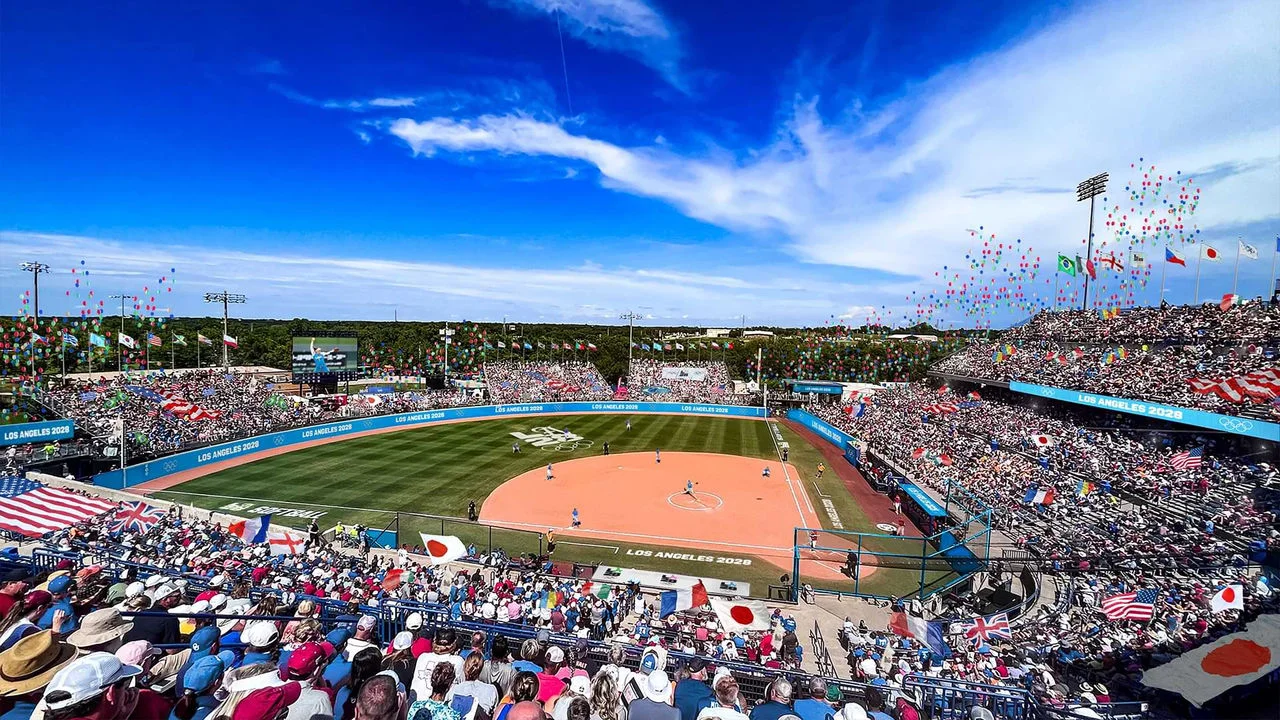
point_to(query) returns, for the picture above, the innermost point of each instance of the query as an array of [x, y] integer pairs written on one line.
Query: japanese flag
[[1230, 597], [1042, 441], [1202, 674], [741, 615], [443, 548], [1208, 252]]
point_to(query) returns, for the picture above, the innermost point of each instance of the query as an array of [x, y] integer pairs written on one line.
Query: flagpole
[[1057, 280], [64, 356], [1195, 300], [197, 351], [1272, 277], [173, 354], [1164, 268], [1235, 280]]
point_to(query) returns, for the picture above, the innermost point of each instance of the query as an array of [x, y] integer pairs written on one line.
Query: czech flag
[[1173, 257], [673, 601], [251, 531], [443, 548]]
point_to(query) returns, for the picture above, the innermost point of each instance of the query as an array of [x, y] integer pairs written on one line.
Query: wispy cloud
[[297, 284], [269, 66], [632, 27], [986, 142]]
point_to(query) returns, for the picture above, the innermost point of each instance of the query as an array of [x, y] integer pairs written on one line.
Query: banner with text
[[37, 432], [680, 372], [1250, 427]]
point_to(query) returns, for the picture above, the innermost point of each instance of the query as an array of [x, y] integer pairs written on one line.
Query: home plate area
[[630, 497]]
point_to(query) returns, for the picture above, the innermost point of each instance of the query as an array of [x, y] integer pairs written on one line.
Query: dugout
[[923, 510]]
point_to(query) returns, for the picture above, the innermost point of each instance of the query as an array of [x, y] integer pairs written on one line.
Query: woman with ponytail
[[199, 684]]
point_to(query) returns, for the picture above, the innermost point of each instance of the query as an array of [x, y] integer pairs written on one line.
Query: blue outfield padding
[[1261, 429], [829, 432], [192, 459]]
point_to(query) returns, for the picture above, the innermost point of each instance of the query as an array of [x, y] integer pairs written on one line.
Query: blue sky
[[692, 161]]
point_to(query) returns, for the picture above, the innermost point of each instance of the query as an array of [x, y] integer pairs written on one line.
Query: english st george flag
[[31, 509]]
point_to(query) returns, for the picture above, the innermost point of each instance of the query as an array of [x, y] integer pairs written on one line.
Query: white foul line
[[591, 533], [614, 548]]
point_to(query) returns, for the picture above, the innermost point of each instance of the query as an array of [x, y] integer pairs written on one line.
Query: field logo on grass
[[549, 438]]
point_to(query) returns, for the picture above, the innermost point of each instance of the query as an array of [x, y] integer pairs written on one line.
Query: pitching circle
[[682, 501]]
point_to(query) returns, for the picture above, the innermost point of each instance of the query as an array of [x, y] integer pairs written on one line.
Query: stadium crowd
[[516, 381], [158, 416], [278, 647], [1154, 354], [1129, 510], [698, 381]]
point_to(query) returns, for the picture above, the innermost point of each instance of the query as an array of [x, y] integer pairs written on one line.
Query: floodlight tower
[[631, 319], [226, 298], [1088, 190], [35, 268]]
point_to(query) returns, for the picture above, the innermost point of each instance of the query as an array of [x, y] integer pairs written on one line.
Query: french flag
[[251, 531], [673, 601], [1038, 496]]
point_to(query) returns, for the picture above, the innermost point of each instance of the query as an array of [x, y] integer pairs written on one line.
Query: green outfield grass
[[382, 480]]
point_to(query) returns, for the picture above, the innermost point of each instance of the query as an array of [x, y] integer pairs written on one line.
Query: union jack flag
[[986, 629], [136, 516]]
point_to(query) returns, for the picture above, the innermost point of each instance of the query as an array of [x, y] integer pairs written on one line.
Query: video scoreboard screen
[[317, 358]]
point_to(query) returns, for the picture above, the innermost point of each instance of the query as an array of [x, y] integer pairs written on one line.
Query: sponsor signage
[[37, 432], [681, 372], [921, 498], [803, 387], [145, 472], [829, 432], [1250, 427]]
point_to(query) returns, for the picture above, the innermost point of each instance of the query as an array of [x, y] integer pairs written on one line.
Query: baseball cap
[[696, 664], [414, 621], [852, 711], [657, 686], [86, 678], [267, 702], [203, 639], [402, 640], [202, 674], [260, 634], [303, 661], [136, 652], [59, 584], [580, 685], [555, 654], [367, 622], [116, 593]]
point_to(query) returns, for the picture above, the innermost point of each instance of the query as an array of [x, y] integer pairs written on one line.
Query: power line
[[564, 64]]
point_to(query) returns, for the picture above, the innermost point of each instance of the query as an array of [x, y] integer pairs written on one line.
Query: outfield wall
[[214, 454]]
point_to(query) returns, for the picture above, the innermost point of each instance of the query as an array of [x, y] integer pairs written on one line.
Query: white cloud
[[314, 285], [632, 27], [983, 143], [393, 102]]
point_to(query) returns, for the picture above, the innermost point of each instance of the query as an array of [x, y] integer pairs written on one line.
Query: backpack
[[907, 711]]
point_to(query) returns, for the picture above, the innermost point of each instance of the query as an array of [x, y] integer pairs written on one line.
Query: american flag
[[153, 339], [1137, 605], [31, 509], [1187, 459], [136, 516], [985, 629]]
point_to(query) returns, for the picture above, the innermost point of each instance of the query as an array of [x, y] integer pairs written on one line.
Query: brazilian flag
[[1066, 265]]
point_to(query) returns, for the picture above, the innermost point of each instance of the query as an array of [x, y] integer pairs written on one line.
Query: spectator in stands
[[364, 667], [777, 703], [442, 651], [606, 698], [498, 669], [436, 705], [98, 686], [692, 693], [727, 700], [379, 700], [815, 706], [199, 684], [305, 666], [26, 669], [364, 636], [20, 621], [12, 587], [60, 588], [549, 685], [400, 659], [655, 701], [475, 690], [102, 631], [267, 702], [524, 689]]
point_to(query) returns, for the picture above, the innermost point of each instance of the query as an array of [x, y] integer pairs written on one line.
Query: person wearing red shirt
[[100, 687], [12, 588]]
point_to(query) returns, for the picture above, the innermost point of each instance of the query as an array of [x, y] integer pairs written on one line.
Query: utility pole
[[225, 298], [120, 345], [35, 268], [1088, 190]]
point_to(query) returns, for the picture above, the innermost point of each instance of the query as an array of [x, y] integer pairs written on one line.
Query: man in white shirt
[[444, 650], [726, 693]]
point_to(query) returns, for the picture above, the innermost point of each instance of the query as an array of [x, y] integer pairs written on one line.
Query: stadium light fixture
[[35, 268], [1088, 190], [446, 336], [631, 319], [226, 298]]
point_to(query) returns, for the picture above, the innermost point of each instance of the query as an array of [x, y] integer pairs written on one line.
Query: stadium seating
[[1223, 361], [701, 381], [516, 381]]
